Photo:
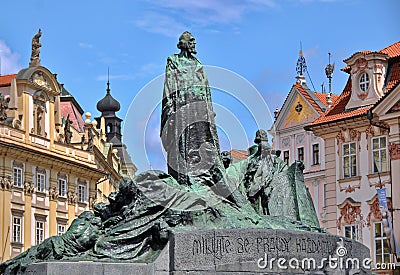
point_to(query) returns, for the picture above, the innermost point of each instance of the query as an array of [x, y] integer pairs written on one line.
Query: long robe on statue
[[188, 130]]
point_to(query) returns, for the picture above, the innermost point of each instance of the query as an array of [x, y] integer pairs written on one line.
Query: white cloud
[[9, 60], [172, 17], [85, 45], [158, 23]]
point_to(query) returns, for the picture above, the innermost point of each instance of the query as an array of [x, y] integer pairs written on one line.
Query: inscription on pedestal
[[241, 250]]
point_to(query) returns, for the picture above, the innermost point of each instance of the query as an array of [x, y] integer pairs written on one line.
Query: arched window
[[364, 82], [109, 128]]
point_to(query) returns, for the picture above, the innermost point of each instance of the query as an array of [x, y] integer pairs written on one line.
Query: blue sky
[[256, 39]]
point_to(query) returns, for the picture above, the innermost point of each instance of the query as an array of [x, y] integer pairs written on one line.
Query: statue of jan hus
[[188, 130]]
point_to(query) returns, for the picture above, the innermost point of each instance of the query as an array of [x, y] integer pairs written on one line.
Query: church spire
[[108, 81]]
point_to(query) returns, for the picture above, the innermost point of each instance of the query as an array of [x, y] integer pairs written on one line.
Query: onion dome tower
[[108, 106]]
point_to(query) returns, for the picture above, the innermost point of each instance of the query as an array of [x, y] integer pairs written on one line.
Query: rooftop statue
[[203, 190], [35, 60]]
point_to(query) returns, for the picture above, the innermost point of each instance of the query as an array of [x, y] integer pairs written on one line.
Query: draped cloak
[[188, 131]]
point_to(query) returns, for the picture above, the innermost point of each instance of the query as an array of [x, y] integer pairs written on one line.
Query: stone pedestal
[[236, 251]]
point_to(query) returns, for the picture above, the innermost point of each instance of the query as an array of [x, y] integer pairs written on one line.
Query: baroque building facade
[[54, 164], [361, 133]]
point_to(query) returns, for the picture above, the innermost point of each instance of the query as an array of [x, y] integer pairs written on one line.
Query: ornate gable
[[349, 210], [40, 79], [368, 73], [297, 110], [300, 112]]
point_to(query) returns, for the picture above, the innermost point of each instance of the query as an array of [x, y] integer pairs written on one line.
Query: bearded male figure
[[188, 130]]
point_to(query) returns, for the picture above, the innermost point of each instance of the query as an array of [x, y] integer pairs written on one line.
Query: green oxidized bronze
[[203, 189]]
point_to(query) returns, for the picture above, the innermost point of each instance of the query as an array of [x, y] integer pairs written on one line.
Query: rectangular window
[[17, 172], [379, 153], [324, 192], [81, 193], [62, 187], [286, 157], [16, 229], [315, 154], [40, 182], [382, 246], [350, 232], [300, 154], [349, 160], [60, 229], [39, 232]]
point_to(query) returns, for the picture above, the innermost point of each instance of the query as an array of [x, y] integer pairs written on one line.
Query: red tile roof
[[394, 77], [239, 155], [338, 112], [307, 96], [322, 97], [5, 80], [392, 50], [67, 108]]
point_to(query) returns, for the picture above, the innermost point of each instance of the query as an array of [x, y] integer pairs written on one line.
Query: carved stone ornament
[[350, 189], [3, 107], [375, 213], [29, 188], [346, 135], [6, 183], [394, 150], [360, 66], [362, 95], [348, 212], [53, 193], [72, 197], [285, 142], [39, 79], [300, 139], [374, 131]]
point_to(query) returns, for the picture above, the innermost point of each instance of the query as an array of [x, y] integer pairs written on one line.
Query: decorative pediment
[[389, 104], [347, 135], [40, 79], [395, 108], [300, 112], [40, 96], [349, 211], [297, 110]]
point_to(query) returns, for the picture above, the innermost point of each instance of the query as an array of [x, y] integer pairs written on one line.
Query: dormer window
[[364, 82]]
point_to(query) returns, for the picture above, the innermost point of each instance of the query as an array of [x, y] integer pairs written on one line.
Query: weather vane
[[329, 72], [301, 65]]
